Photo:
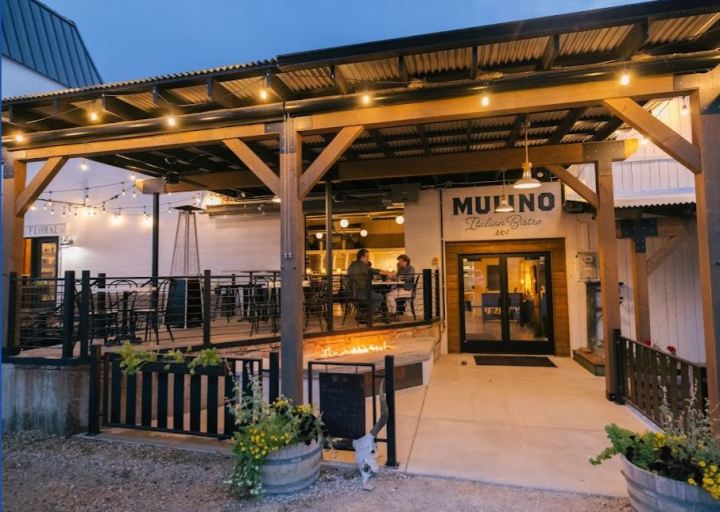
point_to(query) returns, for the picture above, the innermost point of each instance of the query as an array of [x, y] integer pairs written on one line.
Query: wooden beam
[[663, 252], [403, 70], [566, 125], [478, 161], [658, 132], [122, 109], [255, 164], [574, 183], [215, 181], [13, 247], [641, 292], [277, 87], [292, 263], [144, 143], [381, 143], [340, 83], [556, 97], [41, 180], [551, 52], [423, 138], [220, 95], [608, 265], [328, 157], [633, 41], [516, 130]]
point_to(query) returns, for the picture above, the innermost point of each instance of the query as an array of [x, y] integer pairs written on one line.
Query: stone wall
[[52, 399]]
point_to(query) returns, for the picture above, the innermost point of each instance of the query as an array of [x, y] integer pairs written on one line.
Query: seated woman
[[406, 276]]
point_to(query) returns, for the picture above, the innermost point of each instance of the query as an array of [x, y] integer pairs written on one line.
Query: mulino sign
[[469, 213]]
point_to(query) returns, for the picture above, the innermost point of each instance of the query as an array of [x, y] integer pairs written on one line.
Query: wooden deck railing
[[646, 374]]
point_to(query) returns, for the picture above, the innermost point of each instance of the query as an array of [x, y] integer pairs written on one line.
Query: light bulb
[[263, 94], [83, 165], [319, 235], [276, 199], [366, 98], [400, 219], [19, 137], [123, 191], [52, 211], [643, 140], [485, 100], [33, 207], [147, 220], [684, 110], [363, 233], [625, 78], [93, 116], [132, 176], [170, 120], [344, 223]]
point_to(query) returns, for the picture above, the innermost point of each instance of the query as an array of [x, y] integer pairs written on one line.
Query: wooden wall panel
[[556, 247]]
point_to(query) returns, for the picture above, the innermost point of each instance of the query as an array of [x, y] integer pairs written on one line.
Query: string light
[[319, 235], [50, 202], [147, 220], [485, 100], [263, 94], [33, 207], [52, 210], [365, 99], [64, 212], [132, 176], [134, 193], [625, 78], [344, 223], [170, 120], [19, 137], [123, 192], [93, 115], [87, 197]]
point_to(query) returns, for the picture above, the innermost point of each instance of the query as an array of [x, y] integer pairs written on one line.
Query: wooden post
[[292, 263], [13, 243], [705, 132], [641, 291], [610, 294]]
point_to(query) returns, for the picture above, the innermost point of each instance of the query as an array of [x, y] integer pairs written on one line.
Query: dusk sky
[[138, 38]]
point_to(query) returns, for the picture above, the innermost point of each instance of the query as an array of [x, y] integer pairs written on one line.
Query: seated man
[[406, 276], [360, 279]]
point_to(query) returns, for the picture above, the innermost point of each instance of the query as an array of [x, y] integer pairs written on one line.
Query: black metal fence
[[70, 314], [643, 372], [172, 397]]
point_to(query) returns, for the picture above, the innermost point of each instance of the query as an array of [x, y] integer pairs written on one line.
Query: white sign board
[[35, 230], [469, 213]]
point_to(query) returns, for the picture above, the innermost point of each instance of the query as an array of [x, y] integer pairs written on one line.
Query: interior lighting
[[400, 219], [344, 223], [625, 78], [132, 176], [363, 233], [319, 235]]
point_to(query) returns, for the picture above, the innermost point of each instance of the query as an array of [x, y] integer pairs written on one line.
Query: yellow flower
[[692, 481], [701, 463]]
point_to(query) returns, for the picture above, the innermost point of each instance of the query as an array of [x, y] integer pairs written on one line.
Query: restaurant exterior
[[548, 179]]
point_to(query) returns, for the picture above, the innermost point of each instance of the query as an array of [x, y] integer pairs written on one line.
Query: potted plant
[[278, 445], [675, 470]]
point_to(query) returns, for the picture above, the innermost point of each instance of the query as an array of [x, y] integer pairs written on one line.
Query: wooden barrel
[[292, 468], [653, 493]]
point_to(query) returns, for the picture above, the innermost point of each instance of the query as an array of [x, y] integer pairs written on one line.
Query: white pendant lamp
[[527, 180], [504, 206]]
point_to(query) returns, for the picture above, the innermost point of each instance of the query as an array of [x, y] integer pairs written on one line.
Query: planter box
[[292, 468], [653, 493]]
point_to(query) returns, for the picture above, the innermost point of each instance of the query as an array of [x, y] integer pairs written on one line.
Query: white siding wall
[[18, 80]]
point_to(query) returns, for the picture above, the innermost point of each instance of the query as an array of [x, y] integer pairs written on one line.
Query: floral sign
[[469, 213]]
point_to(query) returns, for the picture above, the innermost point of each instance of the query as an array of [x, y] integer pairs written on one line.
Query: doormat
[[514, 361]]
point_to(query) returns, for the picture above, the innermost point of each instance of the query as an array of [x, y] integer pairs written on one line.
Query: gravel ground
[[46, 473]]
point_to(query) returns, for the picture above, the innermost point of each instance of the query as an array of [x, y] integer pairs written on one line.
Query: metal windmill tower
[[186, 254]]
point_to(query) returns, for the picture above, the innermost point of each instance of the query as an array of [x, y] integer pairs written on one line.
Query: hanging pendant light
[[504, 206], [527, 180]]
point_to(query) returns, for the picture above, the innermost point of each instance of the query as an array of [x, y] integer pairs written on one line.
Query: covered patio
[[437, 109]]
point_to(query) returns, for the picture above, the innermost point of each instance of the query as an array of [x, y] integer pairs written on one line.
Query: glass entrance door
[[506, 303]]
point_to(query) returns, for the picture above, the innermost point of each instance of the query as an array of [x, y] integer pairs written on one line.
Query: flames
[[356, 349]]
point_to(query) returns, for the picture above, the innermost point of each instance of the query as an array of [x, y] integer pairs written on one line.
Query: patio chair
[[314, 302], [149, 317], [404, 302]]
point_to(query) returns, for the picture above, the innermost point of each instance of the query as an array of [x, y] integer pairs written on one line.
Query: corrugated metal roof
[[44, 41]]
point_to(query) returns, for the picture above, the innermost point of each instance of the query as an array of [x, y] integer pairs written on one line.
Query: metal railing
[[643, 372]]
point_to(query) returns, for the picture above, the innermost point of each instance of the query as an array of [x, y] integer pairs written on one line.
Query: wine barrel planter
[[653, 493], [292, 468]]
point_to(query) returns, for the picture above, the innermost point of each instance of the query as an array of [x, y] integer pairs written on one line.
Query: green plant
[[687, 450], [131, 359], [263, 428]]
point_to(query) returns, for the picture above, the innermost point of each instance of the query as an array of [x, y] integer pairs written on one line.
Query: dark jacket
[[359, 278], [406, 276]]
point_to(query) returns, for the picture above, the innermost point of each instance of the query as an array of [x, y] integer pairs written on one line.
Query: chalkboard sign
[[342, 403]]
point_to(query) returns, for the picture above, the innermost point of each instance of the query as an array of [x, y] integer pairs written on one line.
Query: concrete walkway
[[531, 427]]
